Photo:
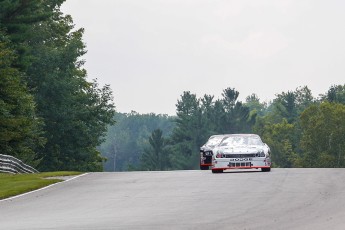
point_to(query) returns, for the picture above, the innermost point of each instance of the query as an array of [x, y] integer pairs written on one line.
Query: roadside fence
[[10, 164]]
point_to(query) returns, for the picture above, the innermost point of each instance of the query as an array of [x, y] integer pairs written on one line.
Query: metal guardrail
[[10, 164]]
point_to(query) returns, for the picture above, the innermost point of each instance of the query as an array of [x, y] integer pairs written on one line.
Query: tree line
[[51, 116], [302, 130]]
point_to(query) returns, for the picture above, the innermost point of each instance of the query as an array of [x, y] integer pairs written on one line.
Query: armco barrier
[[10, 164]]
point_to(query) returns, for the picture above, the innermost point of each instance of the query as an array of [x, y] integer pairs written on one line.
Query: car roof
[[234, 134], [243, 134]]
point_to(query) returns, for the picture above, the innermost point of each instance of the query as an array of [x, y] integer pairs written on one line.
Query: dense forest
[[53, 118], [301, 130], [127, 139]]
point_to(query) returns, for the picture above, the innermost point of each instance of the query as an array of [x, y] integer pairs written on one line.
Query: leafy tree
[[219, 117], [19, 19], [208, 116], [286, 106], [336, 93], [280, 138], [291, 104], [75, 112], [323, 140], [20, 129], [230, 96], [237, 116], [304, 98], [255, 106], [155, 156], [185, 139]]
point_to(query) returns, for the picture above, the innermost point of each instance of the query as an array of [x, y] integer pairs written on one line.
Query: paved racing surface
[[280, 199]]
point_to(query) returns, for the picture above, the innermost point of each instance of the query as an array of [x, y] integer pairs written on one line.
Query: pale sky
[[150, 51]]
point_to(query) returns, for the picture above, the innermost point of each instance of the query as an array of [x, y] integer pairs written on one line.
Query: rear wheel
[[265, 169], [217, 170], [203, 167]]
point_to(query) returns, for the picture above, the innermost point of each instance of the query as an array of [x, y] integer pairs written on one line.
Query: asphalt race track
[[280, 199]]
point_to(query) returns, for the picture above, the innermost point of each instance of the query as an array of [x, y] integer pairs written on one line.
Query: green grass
[[15, 184]]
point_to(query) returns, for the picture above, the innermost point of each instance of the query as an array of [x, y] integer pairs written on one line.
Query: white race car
[[206, 150], [241, 151]]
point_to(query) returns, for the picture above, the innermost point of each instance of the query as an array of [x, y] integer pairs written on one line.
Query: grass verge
[[15, 184]]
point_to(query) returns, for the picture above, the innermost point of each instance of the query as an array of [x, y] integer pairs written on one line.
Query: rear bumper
[[253, 163]]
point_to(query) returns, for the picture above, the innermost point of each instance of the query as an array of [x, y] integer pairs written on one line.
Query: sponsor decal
[[241, 159]]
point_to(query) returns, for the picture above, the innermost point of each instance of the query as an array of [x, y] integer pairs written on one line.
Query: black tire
[[217, 170], [265, 169], [202, 167]]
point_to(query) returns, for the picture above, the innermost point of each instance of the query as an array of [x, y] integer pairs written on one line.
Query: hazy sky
[[150, 51]]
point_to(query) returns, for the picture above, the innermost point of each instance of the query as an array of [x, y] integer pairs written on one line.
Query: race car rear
[[241, 151], [224, 161], [206, 150]]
